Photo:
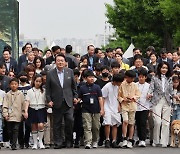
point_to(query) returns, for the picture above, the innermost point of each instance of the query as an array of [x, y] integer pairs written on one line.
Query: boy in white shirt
[[112, 117], [143, 106]]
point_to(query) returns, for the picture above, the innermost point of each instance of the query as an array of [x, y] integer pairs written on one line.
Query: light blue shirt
[[61, 77]]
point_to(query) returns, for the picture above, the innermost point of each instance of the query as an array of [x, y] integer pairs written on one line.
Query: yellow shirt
[[128, 90], [124, 66]]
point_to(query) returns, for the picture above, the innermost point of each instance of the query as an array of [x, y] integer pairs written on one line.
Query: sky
[[56, 19]]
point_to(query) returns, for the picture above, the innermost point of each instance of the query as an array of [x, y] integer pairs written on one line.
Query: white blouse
[[36, 98]]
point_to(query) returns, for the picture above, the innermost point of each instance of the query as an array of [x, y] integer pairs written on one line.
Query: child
[[24, 128], [35, 110], [176, 99], [13, 106], [115, 66], [128, 95], [2, 94], [143, 107], [112, 116], [92, 107]]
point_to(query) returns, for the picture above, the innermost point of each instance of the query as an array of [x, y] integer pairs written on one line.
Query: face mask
[[105, 74], [23, 79]]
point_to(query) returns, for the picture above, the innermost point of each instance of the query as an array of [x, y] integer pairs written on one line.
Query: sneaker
[[120, 144], [7, 145], [41, 145], [154, 145], [114, 145], [164, 146], [88, 146], [47, 146], [129, 144], [95, 145], [35, 147], [107, 144], [142, 144], [124, 144]]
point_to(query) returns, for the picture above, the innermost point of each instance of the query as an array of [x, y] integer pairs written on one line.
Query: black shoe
[[76, 145], [21, 146], [26, 145], [107, 144], [57, 146], [13, 147], [114, 145], [100, 143], [68, 144]]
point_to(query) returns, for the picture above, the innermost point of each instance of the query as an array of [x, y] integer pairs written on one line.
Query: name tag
[[91, 101]]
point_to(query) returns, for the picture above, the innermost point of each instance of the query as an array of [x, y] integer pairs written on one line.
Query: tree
[[147, 22]]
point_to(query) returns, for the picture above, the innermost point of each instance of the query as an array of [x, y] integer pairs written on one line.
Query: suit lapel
[[55, 75]]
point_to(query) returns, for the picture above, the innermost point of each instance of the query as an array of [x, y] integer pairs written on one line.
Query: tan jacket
[[128, 90], [13, 106]]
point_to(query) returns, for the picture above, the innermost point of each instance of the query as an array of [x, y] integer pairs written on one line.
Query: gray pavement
[[135, 150]]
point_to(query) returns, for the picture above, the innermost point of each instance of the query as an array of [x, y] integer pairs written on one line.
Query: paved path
[[136, 150]]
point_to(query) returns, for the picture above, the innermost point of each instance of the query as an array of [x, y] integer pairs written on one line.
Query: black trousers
[[141, 123], [65, 112], [13, 130], [78, 125], [24, 133], [5, 132]]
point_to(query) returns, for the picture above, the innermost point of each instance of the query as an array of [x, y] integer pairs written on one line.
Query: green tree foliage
[[147, 22]]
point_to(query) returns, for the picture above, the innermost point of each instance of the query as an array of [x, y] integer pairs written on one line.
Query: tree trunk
[[168, 41]]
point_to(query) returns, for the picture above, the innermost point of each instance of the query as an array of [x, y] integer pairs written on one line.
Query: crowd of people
[[62, 100]]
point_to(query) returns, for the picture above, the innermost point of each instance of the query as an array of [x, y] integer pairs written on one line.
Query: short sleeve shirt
[[90, 98]]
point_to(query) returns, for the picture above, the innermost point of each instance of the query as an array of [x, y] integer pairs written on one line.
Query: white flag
[[129, 52]]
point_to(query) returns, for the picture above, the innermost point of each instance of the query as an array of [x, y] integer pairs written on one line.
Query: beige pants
[[48, 131], [164, 111], [91, 125]]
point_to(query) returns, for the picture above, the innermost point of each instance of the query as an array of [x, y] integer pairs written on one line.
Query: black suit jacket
[[49, 60], [95, 59], [54, 91], [12, 67], [21, 60]]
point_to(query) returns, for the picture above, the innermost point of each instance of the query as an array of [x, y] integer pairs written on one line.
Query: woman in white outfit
[[160, 92]]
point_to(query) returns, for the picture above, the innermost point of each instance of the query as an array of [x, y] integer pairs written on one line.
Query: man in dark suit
[[92, 59], [61, 92], [30, 59], [163, 57], [9, 62], [108, 59], [55, 50], [23, 58]]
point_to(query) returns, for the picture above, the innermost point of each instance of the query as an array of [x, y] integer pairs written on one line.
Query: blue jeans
[[176, 112], [1, 131]]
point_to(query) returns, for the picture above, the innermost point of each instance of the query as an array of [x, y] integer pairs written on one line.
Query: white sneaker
[[35, 147], [164, 146], [94, 145], [124, 144], [120, 144], [7, 145], [142, 144], [154, 145], [129, 144], [41, 145]]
